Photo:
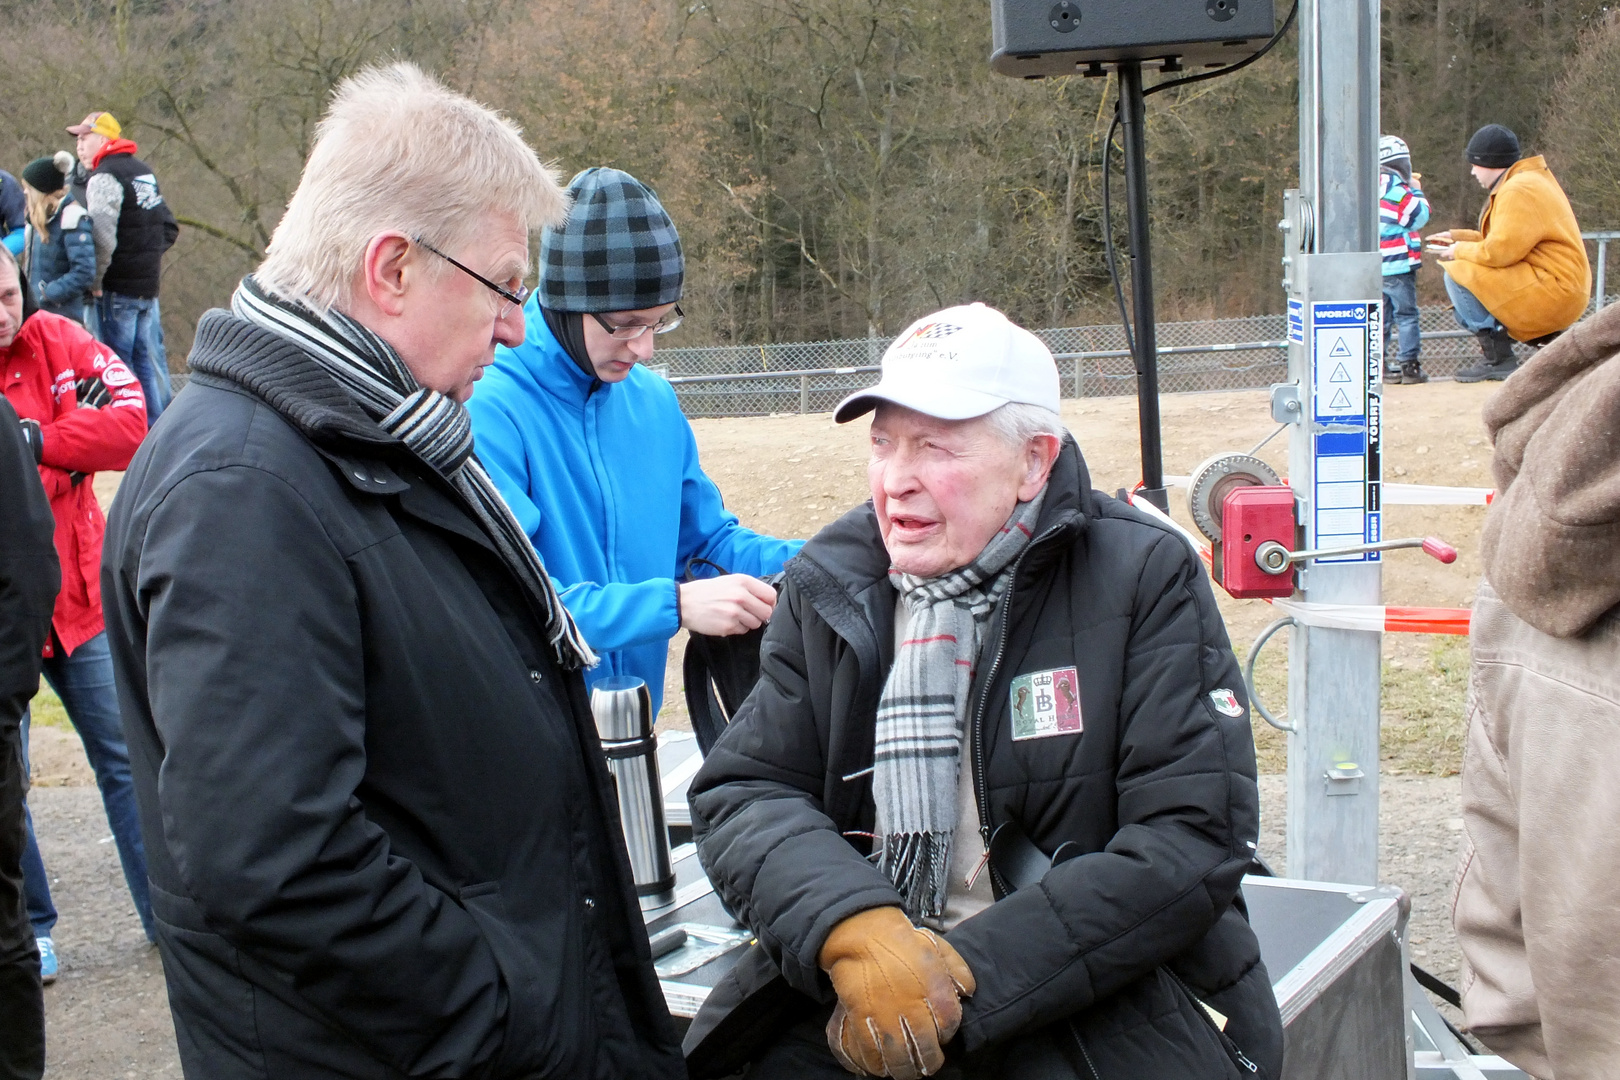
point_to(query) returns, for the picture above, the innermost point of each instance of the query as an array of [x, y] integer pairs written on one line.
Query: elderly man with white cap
[[988, 808]]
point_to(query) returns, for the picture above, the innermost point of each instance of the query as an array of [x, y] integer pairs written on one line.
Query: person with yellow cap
[[133, 227]]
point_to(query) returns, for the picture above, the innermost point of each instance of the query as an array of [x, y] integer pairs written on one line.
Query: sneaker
[[1412, 373], [47, 960]]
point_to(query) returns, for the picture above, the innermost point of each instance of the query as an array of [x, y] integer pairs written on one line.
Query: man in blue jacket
[[593, 454]]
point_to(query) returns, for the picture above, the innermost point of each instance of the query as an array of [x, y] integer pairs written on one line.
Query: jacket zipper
[[1231, 1047], [978, 713], [1084, 1053]]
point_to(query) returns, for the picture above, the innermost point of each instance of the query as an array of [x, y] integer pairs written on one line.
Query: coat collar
[[286, 378], [547, 363], [283, 376]]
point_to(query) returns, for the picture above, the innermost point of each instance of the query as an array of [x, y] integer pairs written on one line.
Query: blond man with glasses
[[591, 451], [382, 837]]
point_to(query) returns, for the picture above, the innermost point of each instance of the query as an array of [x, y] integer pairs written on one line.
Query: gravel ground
[[107, 1015]]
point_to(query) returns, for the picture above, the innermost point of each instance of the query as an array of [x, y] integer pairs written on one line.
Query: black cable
[[1108, 143], [1228, 69], [1438, 988], [1108, 234]]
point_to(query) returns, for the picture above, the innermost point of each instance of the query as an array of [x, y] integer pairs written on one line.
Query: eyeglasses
[[672, 318], [513, 297]]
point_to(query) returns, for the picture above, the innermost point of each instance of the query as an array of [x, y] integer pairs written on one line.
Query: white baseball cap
[[960, 363]]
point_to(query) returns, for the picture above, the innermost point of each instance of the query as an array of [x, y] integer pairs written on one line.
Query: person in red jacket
[[81, 410]]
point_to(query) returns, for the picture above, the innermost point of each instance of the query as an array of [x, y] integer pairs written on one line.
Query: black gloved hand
[[35, 438]]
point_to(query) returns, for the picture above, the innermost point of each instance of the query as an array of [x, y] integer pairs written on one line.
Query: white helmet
[[1391, 147]]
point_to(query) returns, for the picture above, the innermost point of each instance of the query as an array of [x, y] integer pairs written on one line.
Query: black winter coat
[[29, 571], [381, 835], [1090, 972]]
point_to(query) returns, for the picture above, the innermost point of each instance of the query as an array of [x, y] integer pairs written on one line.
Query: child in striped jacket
[[1403, 209]]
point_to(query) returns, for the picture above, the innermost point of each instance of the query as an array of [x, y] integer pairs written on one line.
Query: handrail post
[[1602, 273], [804, 394]]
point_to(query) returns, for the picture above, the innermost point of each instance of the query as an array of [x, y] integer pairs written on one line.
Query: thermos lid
[[622, 708]]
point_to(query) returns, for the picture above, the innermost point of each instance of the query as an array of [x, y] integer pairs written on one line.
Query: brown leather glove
[[898, 989]]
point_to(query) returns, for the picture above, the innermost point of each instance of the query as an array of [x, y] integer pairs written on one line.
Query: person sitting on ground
[[1403, 209], [385, 839], [593, 454], [988, 656], [82, 411], [59, 249], [1523, 274], [1535, 909]]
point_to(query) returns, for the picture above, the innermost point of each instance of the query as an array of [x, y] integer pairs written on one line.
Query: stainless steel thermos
[[622, 707]]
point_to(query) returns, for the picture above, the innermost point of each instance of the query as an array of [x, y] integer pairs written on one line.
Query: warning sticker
[[1340, 362], [1345, 367]]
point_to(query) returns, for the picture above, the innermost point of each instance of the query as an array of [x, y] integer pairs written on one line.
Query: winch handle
[[1273, 558], [1439, 549]]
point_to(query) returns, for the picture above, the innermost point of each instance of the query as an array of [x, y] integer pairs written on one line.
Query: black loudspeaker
[[1064, 37]]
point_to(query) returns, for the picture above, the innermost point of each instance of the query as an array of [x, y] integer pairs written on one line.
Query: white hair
[[399, 151], [1016, 422]]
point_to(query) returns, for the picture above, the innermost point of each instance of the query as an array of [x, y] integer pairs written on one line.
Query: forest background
[[836, 167]]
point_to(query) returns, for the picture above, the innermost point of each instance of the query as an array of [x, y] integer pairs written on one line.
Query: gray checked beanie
[[617, 251]]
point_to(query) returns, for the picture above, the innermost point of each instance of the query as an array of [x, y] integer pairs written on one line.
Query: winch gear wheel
[[1210, 483]]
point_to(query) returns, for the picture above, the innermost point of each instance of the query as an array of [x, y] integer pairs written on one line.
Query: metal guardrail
[[1105, 372], [1600, 287]]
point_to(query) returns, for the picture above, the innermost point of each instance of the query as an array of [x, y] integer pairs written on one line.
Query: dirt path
[[107, 1015]]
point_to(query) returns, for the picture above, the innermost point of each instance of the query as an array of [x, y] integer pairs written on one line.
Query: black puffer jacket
[[382, 838], [1090, 972]]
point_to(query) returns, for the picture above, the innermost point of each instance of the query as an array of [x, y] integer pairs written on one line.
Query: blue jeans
[[1401, 314], [127, 329], [84, 682], [1471, 314]]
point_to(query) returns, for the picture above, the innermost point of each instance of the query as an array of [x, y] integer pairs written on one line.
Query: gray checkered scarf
[[434, 427], [924, 705]]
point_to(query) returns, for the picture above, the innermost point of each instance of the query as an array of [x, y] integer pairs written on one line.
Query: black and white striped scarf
[[434, 427], [924, 705]]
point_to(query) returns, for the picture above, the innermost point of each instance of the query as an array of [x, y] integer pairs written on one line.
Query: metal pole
[[1133, 125], [1602, 273], [804, 394], [1335, 467]]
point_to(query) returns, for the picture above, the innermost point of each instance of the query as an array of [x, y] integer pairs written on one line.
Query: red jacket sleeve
[[100, 412]]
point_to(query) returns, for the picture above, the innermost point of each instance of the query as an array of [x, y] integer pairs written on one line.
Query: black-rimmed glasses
[[672, 318], [513, 297]]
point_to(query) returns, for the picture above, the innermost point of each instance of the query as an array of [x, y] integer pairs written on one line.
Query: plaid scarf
[[921, 714], [434, 427]]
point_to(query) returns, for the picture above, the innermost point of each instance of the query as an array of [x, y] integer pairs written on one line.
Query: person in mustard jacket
[[1522, 275]]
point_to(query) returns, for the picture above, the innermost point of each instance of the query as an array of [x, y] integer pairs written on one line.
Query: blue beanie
[[617, 251]]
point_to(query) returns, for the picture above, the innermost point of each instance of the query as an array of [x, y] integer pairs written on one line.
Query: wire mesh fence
[[1093, 361], [1215, 354]]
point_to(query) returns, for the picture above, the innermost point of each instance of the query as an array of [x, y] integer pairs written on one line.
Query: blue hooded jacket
[[604, 478]]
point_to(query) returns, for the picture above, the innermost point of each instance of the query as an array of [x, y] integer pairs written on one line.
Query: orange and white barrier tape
[[1436, 495], [1408, 494], [1377, 618]]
